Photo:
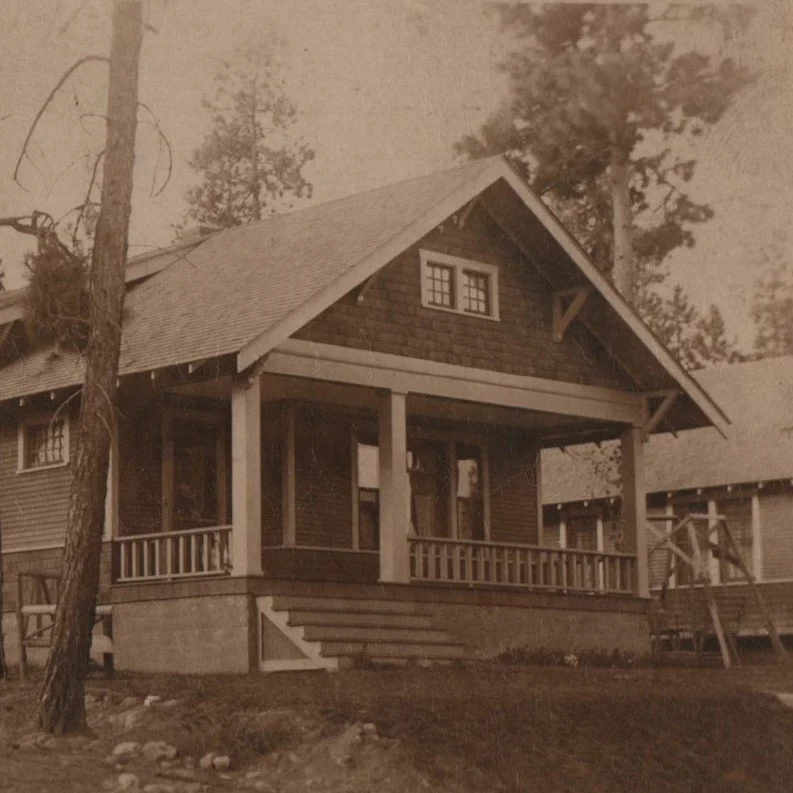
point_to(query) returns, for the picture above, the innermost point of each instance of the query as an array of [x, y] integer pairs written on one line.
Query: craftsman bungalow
[[329, 430], [748, 478]]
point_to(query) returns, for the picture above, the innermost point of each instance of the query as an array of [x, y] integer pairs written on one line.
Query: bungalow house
[[328, 436], [747, 477]]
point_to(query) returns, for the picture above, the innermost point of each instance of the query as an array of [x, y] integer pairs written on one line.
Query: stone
[[189, 762], [90, 702], [221, 763], [170, 703], [152, 699], [341, 747], [133, 718], [157, 751], [127, 782], [126, 748], [129, 702], [369, 729], [207, 760]]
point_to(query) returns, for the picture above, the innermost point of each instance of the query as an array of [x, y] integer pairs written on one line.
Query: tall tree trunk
[[622, 272], [62, 707]]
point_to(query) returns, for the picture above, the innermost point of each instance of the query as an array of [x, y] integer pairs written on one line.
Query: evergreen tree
[[772, 305], [249, 166], [596, 101]]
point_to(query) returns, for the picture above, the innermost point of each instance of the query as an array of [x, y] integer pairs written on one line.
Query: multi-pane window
[[440, 283], [476, 292], [43, 443], [738, 513], [449, 283]]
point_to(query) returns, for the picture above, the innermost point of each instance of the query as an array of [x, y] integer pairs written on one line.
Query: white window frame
[[458, 267], [39, 420]]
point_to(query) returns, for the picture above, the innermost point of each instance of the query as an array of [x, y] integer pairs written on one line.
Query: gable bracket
[[668, 399], [563, 316]]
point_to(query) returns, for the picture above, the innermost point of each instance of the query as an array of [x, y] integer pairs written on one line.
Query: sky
[[384, 89]]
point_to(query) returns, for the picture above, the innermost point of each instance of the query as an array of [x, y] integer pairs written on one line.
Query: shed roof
[[758, 396]]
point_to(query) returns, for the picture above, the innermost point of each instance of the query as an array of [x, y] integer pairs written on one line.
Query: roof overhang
[[499, 169]]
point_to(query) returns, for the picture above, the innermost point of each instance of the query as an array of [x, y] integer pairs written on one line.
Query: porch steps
[[348, 630]]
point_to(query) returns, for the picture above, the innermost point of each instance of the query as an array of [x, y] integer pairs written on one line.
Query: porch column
[[394, 488], [634, 505], [246, 477]]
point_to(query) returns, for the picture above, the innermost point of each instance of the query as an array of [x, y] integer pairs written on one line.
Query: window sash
[[45, 444]]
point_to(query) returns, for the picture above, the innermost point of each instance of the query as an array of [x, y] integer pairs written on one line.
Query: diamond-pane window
[[45, 444], [476, 292], [440, 282]]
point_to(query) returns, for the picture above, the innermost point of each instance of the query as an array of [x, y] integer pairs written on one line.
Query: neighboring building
[[329, 432], [748, 478]]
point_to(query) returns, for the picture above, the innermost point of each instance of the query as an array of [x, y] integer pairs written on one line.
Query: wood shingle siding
[[776, 518], [513, 490], [140, 483], [323, 486], [33, 504], [392, 320]]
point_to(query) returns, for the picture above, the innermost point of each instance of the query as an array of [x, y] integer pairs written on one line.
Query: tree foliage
[[772, 304], [598, 102], [249, 164]]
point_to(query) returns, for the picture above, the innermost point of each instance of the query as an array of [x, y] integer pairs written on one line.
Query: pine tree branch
[[155, 122], [68, 73]]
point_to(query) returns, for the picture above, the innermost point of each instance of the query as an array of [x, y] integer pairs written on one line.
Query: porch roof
[[245, 290], [759, 394]]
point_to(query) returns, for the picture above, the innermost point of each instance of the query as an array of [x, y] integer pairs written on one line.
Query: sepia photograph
[[396, 396]]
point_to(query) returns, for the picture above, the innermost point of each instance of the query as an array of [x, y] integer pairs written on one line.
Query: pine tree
[[596, 102], [249, 165], [772, 304]]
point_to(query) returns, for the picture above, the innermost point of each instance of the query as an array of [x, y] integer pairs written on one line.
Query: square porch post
[[246, 476], [634, 505], [394, 488]]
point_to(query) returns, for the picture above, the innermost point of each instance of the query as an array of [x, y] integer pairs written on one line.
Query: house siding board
[[776, 520], [140, 482], [392, 320], [323, 480], [513, 490], [33, 505]]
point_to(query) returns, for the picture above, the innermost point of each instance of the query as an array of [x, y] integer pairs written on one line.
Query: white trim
[[355, 517], [498, 168], [41, 419], [395, 372], [458, 266], [289, 480]]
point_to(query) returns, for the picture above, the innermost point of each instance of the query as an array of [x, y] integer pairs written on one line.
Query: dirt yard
[[495, 728]]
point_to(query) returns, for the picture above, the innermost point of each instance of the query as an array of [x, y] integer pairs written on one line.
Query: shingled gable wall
[[392, 320]]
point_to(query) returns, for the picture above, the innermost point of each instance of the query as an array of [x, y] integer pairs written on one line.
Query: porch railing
[[521, 566], [177, 554]]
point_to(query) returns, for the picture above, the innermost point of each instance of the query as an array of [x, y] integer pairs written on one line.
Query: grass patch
[[513, 728]]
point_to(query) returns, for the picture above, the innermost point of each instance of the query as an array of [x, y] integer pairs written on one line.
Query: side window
[[449, 283], [43, 443]]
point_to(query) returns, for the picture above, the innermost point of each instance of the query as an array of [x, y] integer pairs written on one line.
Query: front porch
[[334, 474]]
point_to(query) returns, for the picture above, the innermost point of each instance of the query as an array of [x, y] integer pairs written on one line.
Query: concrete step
[[376, 635], [418, 652], [349, 605], [361, 619]]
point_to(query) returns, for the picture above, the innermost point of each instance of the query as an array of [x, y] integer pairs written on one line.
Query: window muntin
[[441, 285], [43, 443], [449, 283], [476, 292]]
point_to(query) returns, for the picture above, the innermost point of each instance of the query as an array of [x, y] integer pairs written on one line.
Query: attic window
[[43, 443], [449, 283]]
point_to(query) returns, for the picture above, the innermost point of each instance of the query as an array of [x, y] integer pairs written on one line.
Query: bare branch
[[163, 141], [68, 73]]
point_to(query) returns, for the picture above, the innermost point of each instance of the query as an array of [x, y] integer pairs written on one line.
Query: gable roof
[[245, 290], [759, 397]]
